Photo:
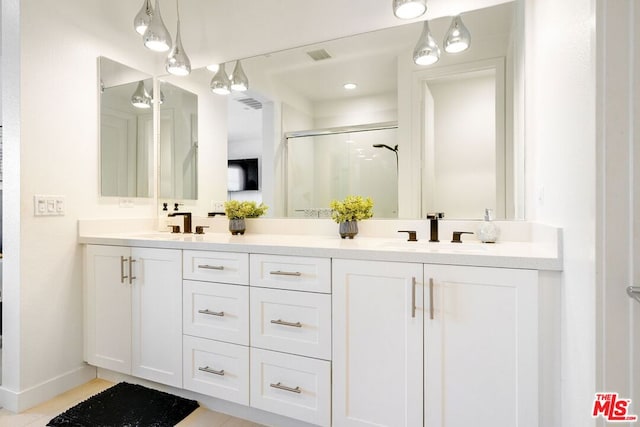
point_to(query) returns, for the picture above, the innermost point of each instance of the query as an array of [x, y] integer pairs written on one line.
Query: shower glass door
[[332, 164]]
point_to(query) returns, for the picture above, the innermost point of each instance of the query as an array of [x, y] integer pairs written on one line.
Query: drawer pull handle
[[211, 313], [211, 267], [131, 276], [286, 273], [283, 323], [285, 388], [413, 297], [211, 371]]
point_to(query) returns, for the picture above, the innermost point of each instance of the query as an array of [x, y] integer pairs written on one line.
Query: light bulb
[[239, 80], [157, 37], [426, 51], [143, 18], [220, 82], [409, 9], [458, 38]]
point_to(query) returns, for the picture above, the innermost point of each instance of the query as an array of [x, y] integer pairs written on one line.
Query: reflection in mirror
[[307, 87], [178, 144], [126, 131], [333, 164]]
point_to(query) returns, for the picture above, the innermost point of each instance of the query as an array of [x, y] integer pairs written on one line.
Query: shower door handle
[[634, 292]]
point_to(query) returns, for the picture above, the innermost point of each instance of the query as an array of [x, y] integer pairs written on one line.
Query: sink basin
[[435, 247]]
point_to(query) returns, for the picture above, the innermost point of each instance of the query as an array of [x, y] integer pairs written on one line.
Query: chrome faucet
[[433, 218], [187, 220]]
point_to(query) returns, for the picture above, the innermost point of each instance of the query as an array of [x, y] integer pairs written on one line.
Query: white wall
[[560, 143], [357, 110]]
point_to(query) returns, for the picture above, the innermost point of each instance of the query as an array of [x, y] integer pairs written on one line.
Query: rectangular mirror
[[126, 131], [302, 90], [178, 144]]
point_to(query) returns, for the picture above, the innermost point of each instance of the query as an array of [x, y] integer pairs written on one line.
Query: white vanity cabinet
[[133, 311], [377, 343], [216, 324], [481, 347], [434, 345], [291, 336]]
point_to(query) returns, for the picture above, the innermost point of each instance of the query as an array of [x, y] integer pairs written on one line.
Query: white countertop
[[522, 255]]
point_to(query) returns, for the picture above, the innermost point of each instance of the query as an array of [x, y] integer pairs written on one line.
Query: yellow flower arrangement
[[236, 209], [352, 208]]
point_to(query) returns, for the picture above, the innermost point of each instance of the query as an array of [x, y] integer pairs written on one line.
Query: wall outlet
[[217, 206], [48, 205]]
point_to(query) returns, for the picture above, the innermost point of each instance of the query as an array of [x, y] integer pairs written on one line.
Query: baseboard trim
[[32, 396]]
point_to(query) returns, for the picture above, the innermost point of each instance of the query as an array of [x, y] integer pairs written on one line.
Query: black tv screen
[[243, 175]]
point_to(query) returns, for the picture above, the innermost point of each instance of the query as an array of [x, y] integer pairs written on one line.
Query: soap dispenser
[[488, 230]]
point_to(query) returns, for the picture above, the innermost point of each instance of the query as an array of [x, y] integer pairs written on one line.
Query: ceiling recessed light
[[213, 67], [350, 86]]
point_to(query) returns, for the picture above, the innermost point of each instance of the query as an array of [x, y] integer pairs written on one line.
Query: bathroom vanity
[[374, 331]]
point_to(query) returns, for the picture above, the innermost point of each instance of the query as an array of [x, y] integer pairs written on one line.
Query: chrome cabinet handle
[[211, 371], [283, 323], [286, 273], [285, 388], [211, 313], [634, 292], [431, 315], [122, 275], [413, 297], [131, 276], [211, 267]]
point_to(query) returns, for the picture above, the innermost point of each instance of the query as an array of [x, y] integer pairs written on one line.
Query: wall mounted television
[[243, 175]]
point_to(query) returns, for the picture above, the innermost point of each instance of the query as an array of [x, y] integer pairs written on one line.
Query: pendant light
[[239, 80], [409, 9], [426, 51], [177, 62], [141, 98], [458, 38], [157, 37], [220, 82], [143, 18]]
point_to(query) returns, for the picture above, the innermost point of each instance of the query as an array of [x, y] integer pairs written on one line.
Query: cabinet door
[[157, 315], [107, 296], [481, 351], [377, 344]]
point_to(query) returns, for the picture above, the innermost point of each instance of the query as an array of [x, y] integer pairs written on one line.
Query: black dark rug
[[127, 405]]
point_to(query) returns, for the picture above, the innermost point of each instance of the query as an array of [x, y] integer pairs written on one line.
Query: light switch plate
[[48, 205]]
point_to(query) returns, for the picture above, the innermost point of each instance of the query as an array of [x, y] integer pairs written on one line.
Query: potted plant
[[237, 211], [348, 212]]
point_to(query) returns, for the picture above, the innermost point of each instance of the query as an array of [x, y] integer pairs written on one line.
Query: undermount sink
[[465, 247]]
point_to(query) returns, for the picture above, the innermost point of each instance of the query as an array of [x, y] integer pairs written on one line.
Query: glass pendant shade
[[157, 37], [239, 80], [458, 38], [220, 83], [409, 9], [426, 51], [177, 62], [143, 18], [141, 98]]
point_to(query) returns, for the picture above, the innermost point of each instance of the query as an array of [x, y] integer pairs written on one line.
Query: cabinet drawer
[[216, 311], [225, 267], [293, 322], [294, 386], [291, 272], [217, 369]]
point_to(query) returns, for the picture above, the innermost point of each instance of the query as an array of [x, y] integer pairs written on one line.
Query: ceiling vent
[[319, 55], [251, 102]]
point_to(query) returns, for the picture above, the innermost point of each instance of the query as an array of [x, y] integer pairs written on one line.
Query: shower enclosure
[[328, 164]]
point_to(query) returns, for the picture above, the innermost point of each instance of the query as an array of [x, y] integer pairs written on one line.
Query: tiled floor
[[39, 416]]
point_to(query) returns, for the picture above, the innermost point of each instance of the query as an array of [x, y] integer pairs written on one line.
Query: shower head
[[395, 149]]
